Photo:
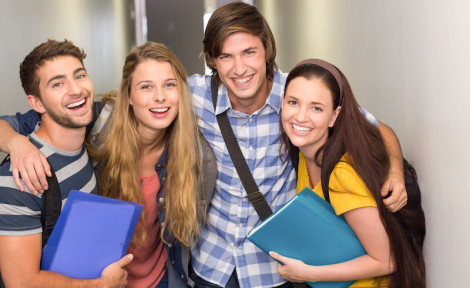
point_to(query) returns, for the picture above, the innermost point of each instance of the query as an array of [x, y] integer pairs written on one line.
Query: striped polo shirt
[[20, 212]]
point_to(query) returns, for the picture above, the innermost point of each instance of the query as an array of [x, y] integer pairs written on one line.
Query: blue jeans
[[232, 281], [163, 282]]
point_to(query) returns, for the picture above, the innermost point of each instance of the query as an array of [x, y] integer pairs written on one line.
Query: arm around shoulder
[[9, 136], [395, 181], [26, 160]]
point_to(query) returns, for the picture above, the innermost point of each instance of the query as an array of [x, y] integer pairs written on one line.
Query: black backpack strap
[[51, 204], [51, 207], [254, 195]]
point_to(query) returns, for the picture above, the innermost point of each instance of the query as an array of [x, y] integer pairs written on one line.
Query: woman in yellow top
[[340, 150]]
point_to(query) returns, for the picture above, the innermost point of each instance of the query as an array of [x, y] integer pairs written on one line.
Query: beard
[[68, 121]]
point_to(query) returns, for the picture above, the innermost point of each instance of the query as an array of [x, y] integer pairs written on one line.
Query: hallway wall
[[102, 28], [407, 62]]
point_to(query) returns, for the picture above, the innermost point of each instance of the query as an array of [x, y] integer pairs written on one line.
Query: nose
[[301, 115], [239, 66], [74, 88], [159, 96]]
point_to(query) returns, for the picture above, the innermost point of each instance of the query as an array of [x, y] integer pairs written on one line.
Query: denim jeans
[[163, 282], [232, 281]]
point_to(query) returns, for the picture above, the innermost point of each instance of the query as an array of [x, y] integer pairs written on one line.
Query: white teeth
[[301, 129], [160, 110], [243, 80], [73, 105]]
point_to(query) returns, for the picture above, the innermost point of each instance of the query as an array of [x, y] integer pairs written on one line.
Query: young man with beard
[[58, 88]]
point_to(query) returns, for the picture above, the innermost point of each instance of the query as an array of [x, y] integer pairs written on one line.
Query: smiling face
[[154, 96], [307, 113], [241, 66], [66, 92]]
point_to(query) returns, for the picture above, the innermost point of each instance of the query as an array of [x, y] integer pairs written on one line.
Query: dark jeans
[[232, 281], [163, 282]]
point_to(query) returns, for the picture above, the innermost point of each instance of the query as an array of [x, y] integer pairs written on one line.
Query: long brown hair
[[121, 150], [366, 152]]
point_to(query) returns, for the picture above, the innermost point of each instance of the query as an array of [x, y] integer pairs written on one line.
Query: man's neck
[[66, 139], [249, 106]]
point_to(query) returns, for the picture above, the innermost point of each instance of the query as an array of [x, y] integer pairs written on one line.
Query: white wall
[[100, 27], [408, 63]]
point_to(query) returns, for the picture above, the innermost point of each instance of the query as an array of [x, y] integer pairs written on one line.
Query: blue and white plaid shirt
[[223, 244]]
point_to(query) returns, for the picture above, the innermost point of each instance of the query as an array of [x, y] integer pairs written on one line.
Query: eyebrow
[[143, 82], [244, 50], [317, 103], [61, 76], [250, 48], [291, 97], [150, 81]]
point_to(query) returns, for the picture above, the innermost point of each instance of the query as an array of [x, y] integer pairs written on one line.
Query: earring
[[131, 107]]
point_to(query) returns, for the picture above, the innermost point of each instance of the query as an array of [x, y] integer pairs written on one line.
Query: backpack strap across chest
[[255, 196], [50, 210], [51, 204]]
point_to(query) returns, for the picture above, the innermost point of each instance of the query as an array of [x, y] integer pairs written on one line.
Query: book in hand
[[307, 228], [92, 232]]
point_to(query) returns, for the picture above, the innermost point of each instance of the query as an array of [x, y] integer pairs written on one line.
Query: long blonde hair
[[121, 151]]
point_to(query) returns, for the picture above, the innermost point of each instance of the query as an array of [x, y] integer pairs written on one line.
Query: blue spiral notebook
[[92, 232], [307, 228]]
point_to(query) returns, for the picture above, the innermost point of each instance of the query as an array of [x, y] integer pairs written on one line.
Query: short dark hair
[[238, 17], [42, 53]]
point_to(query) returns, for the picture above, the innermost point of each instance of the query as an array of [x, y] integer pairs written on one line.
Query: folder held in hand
[[307, 228], [92, 232]]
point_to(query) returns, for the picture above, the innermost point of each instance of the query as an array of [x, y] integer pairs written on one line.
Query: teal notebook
[[308, 229], [92, 232]]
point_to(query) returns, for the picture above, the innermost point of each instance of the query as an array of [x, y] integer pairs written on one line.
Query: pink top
[[148, 266]]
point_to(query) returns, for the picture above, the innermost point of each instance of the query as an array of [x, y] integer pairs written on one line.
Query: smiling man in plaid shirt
[[239, 48]]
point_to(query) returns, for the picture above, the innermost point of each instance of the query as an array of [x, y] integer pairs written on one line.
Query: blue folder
[[92, 232], [307, 228]]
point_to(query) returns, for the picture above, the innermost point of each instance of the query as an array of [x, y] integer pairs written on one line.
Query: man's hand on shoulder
[[29, 163], [394, 192]]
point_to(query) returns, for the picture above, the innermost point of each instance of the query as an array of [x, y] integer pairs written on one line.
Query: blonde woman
[[149, 151], [153, 140]]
